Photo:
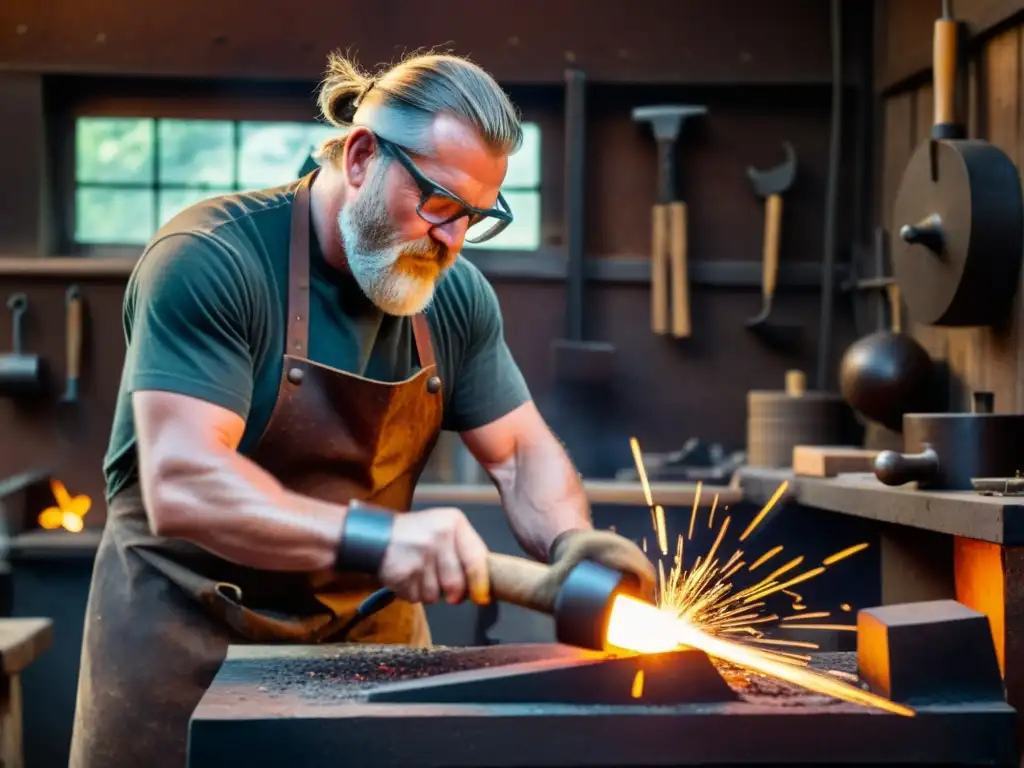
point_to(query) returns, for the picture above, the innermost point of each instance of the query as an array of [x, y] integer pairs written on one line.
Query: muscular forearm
[[542, 495], [226, 504]]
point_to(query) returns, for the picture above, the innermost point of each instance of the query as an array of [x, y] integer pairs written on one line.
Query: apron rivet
[[434, 385], [295, 375]]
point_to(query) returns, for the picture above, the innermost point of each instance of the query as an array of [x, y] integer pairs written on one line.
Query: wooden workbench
[[934, 545]]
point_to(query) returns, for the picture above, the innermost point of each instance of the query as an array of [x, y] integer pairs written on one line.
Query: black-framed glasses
[[439, 206]]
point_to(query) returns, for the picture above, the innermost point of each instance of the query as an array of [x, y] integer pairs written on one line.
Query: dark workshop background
[[762, 68], [989, 359]]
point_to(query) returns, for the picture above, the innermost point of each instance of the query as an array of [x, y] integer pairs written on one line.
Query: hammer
[[668, 221], [770, 185], [580, 601]]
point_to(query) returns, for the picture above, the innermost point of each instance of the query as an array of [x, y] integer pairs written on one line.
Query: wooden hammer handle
[[895, 302], [74, 334], [681, 327], [521, 582], [772, 237], [944, 75], [659, 270]]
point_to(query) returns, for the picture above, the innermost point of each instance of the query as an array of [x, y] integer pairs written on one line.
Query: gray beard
[[373, 251]]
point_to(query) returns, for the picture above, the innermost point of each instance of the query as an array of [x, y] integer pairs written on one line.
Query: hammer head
[[667, 119], [777, 180]]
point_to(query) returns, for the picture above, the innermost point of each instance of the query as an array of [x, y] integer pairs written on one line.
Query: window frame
[[237, 103]]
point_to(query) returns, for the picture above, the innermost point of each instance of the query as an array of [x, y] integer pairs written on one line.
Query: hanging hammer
[[770, 185], [668, 221]]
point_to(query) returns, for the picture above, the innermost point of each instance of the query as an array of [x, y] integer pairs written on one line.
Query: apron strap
[[298, 272], [424, 347], [298, 286]]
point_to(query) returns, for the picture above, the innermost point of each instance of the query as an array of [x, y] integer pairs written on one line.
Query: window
[[522, 192], [133, 174]]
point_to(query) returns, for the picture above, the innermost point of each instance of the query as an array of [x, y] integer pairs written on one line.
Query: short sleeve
[[489, 384], [188, 315]]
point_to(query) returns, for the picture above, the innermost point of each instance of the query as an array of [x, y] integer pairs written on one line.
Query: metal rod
[[575, 189], [832, 202]]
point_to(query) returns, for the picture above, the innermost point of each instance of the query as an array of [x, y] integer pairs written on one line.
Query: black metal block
[[678, 677], [929, 652]]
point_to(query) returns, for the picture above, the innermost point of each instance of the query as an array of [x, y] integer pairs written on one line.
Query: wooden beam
[[531, 41], [23, 137]]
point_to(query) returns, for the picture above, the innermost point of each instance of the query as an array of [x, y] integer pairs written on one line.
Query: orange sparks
[[638, 684], [778, 588], [706, 613], [797, 606], [693, 512], [766, 557], [805, 616], [767, 508], [845, 607], [843, 554], [659, 528], [638, 459], [711, 516]]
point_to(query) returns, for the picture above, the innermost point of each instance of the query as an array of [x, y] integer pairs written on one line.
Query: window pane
[[174, 201], [112, 215], [523, 234], [524, 165], [273, 153], [199, 152], [114, 150]]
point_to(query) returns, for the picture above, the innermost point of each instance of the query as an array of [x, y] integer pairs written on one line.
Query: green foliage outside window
[[134, 174]]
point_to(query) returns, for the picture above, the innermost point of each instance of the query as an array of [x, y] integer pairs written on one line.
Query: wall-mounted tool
[[771, 184], [68, 403], [959, 214], [21, 375], [581, 407], [888, 373], [668, 233], [947, 451]]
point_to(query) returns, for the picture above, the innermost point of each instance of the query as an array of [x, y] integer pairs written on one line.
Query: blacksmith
[[292, 355]]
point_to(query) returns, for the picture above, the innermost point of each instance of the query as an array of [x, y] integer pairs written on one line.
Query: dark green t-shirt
[[204, 316]]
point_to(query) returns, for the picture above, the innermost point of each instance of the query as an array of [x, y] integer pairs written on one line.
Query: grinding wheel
[[958, 219]]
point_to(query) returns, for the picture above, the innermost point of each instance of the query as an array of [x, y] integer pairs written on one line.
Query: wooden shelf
[[996, 519], [544, 265]]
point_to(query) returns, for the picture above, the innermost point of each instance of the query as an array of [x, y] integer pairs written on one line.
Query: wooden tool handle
[[681, 328], [659, 265], [895, 313], [521, 582], [772, 236], [74, 333], [796, 383], [944, 73]]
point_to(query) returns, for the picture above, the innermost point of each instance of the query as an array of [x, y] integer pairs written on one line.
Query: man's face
[[397, 257]]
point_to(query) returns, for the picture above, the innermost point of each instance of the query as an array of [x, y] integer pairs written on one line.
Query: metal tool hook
[[17, 303]]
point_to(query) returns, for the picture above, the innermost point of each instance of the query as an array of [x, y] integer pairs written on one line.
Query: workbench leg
[[990, 579], [11, 722], [916, 565]]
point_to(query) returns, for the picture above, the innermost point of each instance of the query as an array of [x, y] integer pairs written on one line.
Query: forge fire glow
[[698, 608], [640, 627]]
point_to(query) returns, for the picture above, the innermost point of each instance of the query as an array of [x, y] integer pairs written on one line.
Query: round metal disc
[[973, 191]]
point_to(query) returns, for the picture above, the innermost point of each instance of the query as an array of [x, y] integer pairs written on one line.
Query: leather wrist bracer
[[364, 539]]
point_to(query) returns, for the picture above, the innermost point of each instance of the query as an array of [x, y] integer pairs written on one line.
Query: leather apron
[[161, 612]]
